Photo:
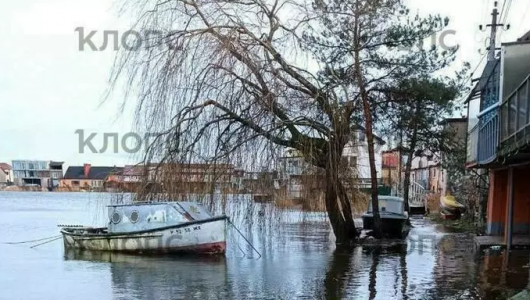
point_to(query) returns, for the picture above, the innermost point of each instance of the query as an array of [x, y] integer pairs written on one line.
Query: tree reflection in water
[[373, 272], [344, 278], [338, 273]]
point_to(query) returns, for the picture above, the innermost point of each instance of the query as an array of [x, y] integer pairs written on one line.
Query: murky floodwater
[[299, 260]]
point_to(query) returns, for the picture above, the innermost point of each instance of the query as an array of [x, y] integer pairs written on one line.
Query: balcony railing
[[515, 118], [483, 138], [488, 136]]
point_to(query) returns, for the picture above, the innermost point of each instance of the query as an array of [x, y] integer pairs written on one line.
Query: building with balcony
[[498, 138], [46, 174]]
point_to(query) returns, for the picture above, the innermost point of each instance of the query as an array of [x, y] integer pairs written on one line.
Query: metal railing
[[515, 116], [417, 193], [488, 137], [483, 138]]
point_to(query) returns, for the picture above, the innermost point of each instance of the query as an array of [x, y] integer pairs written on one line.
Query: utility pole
[[493, 33]]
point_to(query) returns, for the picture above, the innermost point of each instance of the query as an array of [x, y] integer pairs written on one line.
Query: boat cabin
[[393, 217], [389, 204], [134, 217]]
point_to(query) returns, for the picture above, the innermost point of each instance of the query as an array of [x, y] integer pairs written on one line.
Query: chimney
[[86, 169]]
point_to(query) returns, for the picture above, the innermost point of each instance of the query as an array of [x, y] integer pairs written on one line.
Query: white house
[[355, 155]]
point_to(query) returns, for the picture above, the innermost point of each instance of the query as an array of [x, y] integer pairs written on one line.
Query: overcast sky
[[49, 89]]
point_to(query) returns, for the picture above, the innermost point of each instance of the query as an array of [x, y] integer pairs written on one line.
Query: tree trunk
[[406, 181], [373, 173], [338, 206], [410, 156], [483, 187], [367, 111]]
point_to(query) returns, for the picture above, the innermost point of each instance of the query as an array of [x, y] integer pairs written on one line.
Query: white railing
[[417, 194]]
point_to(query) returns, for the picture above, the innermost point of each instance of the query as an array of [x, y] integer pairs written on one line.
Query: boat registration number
[[186, 230]]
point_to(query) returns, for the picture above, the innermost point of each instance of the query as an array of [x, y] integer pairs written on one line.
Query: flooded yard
[[299, 260]]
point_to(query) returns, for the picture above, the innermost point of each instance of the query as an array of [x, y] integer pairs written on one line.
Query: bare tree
[[249, 77]]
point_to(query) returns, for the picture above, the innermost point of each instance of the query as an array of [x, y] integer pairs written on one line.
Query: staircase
[[417, 194]]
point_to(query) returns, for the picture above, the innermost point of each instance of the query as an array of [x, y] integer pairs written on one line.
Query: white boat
[[392, 213], [153, 227]]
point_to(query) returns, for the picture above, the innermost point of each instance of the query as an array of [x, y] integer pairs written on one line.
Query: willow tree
[[275, 72]]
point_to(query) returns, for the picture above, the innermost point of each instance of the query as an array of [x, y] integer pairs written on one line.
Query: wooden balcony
[[515, 120]]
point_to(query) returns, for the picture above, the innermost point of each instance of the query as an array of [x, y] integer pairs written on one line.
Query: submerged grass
[[461, 225], [316, 202]]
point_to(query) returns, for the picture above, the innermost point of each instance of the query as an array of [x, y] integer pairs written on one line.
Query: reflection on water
[[298, 260], [138, 277]]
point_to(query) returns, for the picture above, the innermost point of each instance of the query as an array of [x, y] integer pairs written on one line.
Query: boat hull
[[200, 237], [391, 227]]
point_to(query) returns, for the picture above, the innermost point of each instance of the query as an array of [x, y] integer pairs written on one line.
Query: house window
[[362, 136], [75, 183], [353, 161]]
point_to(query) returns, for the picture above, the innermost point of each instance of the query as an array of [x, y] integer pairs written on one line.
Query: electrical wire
[[484, 11], [504, 15], [503, 7], [480, 62], [524, 15]]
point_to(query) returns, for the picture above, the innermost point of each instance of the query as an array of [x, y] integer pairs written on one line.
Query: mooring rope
[[33, 241], [252, 246], [46, 242]]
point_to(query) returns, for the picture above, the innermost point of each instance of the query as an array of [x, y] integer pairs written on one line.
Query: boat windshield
[[194, 210], [387, 205]]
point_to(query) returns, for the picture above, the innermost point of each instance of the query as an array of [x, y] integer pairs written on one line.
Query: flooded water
[[299, 261]]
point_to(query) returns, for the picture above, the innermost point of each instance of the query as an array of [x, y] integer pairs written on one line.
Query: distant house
[[37, 173], [133, 178], [426, 171], [5, 174], [87, 177], [302, 178], [195, 177], [391, 166]]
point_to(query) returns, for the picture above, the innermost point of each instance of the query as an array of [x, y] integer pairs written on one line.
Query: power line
[[503, 7], [480, 62], [524, 16], [484, 11], [505, 14]]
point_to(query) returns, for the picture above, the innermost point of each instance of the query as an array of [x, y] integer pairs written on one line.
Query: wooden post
[[509, 226]]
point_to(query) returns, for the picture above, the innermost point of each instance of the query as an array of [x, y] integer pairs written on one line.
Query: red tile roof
[[5, 167]]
